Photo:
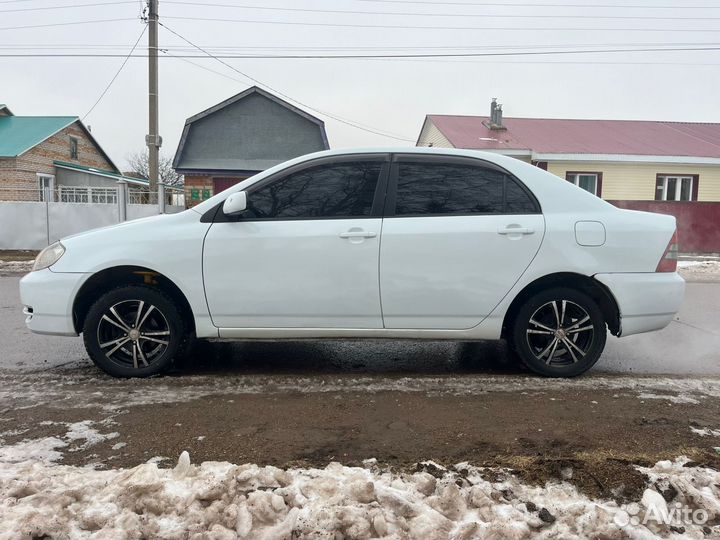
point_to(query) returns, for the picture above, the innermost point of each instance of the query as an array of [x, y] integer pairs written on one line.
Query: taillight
[[668, 263]]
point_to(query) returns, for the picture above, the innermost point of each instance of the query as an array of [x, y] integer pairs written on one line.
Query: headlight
[[48, 256]]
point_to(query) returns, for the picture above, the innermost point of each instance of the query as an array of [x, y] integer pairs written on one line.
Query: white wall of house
[[432, 136]]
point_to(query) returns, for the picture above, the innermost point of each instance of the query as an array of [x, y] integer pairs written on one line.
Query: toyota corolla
[[412, 243]]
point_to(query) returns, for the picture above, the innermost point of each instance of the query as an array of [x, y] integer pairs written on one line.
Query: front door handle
[[358, 234], [515, 230]]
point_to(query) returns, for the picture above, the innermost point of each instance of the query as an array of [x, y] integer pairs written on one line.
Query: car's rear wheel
[[134, 331], [559, 333]]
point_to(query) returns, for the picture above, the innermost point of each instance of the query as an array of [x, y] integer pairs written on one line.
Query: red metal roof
[[556, 136]]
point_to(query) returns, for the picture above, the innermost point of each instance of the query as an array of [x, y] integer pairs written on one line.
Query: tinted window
[[517, 200], [457, 189], [332, 190], [443, 188]]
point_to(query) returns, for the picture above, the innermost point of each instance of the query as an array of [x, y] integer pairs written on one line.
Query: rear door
[[457, 235]]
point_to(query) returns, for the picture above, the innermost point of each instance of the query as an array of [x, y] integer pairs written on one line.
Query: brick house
[[242, 136], [44, 156], [656, 166]]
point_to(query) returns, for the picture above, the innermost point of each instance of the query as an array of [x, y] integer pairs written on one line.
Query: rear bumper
[[647, 301], [48, 299]]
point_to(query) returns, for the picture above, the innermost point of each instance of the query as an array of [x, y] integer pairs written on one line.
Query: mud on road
[[589, 431]]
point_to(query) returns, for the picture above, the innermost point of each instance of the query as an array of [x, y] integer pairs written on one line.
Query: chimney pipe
[[498, 116], [493, 108]]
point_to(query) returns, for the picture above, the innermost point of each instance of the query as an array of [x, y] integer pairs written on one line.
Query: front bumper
[[48, 298], [647, 301]]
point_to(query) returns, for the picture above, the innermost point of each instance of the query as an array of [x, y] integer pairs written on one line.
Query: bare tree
[[139, 168]]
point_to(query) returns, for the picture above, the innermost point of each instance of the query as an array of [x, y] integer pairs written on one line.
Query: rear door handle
[[515, 230], [358, 234]]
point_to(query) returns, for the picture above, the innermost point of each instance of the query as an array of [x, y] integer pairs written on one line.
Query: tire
[[120, 349], [567, 353]]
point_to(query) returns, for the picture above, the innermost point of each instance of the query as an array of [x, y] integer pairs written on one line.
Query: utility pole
[[153, 139]]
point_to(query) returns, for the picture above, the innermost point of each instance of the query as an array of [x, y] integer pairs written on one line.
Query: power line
[[465, 61], [428, 14], [43, 8], [501, 4], [65, 23], [56, 46], [370, 56], [334, 117], [102, 95], [454, 28]]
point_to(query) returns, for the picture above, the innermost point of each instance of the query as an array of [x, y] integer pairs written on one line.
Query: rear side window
[[457, 189], [325, 191], [517, 200]]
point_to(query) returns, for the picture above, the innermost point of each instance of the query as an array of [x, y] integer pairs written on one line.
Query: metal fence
[[174, 196]]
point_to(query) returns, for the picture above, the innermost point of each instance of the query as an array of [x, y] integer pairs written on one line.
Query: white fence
[[34, 225]]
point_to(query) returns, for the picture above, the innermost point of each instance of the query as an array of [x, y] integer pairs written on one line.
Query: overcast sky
[[387, 95]]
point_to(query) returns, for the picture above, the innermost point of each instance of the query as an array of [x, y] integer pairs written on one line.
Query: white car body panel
[[51, 294], [646, 302], [299, 273], [449, 272], [324, 287], [169, 244]]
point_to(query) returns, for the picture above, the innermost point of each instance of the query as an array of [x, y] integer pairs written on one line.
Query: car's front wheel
[[134, 331], [559, 333]]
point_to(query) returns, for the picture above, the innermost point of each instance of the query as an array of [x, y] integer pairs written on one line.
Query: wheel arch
[[585, 284], [117, 276]]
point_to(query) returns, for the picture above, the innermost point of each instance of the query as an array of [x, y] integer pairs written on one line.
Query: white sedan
[[412, 243]]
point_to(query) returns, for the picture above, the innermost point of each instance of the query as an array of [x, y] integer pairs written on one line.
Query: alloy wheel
[[560, 332], [133, 333]]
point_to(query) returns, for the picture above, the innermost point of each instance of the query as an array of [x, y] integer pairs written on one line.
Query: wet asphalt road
[[689, 346]]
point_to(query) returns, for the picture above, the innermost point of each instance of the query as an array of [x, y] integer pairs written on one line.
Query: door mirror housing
[[235, 203]]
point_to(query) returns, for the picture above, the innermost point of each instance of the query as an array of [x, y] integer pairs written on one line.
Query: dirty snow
[[42, 450], [706, 432], [83, 431], [699, 268], [221, 500], [112, 395], [15, 266], [669, 397], [79, 435]]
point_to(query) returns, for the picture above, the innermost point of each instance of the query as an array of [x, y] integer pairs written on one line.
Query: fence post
[[122, 200], [161, 198]]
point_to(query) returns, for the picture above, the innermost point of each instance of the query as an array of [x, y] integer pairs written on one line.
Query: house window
[[46, 187], [589, 181], [676, 187], [73, 148]]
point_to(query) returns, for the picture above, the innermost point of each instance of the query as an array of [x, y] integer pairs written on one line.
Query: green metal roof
[[100, 172], [18, 134]]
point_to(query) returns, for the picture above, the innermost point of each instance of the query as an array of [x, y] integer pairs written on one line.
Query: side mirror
[[235, 203]]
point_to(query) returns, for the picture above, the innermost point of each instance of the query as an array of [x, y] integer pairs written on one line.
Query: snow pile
[[225, 501]]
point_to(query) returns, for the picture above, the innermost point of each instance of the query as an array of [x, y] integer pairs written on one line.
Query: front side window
[[73, 148], [457, 189], [333, 190], [674, 188], [588, 181]]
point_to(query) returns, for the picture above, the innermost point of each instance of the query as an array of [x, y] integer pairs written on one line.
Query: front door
[[305, 253], [456, 237]]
